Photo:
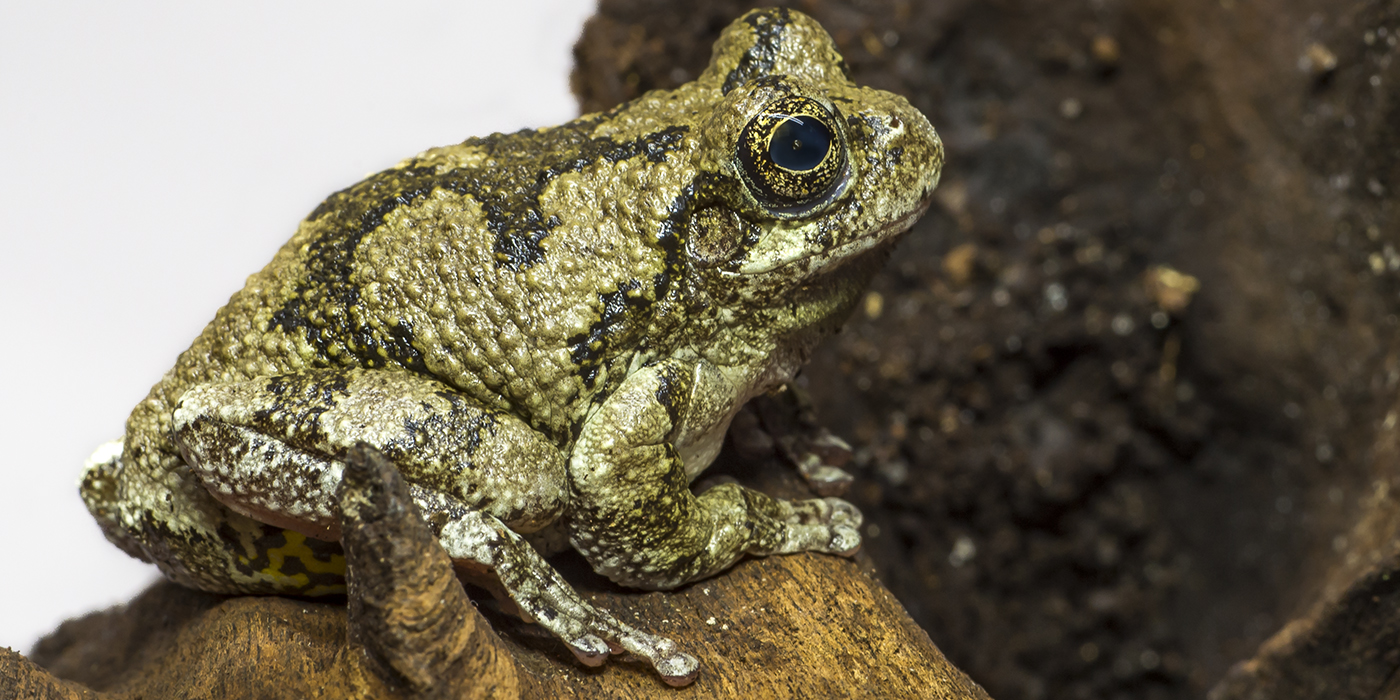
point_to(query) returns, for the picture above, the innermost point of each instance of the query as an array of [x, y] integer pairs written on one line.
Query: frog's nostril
[[895, 123]]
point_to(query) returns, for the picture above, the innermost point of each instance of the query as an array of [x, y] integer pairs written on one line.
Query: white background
[[154, 154]]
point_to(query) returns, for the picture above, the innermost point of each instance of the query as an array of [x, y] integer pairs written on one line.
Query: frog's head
[[803, 173]]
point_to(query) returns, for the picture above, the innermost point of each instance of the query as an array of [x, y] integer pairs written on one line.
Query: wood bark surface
[[1347, 645], [795, 626]]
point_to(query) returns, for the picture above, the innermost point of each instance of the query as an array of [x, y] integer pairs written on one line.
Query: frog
[[548, 334]]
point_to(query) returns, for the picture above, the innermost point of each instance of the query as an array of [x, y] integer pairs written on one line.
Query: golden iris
[[793, 156]]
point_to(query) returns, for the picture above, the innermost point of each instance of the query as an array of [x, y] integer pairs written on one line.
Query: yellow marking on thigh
[[296, 548], [248, 533]]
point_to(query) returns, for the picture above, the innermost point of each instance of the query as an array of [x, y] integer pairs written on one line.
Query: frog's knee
[[99, 482], [99, 488]]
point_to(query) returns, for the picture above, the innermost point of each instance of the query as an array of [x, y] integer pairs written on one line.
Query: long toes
[[679, 669], [590, 649], [603, 635], [674, 666], [824, 511], [825, 479], [813, 511], [842, 540], [843, 513], [845, 541]]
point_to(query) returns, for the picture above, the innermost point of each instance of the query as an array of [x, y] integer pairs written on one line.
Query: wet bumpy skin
[[548, 333]]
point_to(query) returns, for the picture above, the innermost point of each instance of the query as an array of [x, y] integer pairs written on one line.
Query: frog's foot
[[812, 457], [824, 511], [828, 525], [590, 633], [101, 488]]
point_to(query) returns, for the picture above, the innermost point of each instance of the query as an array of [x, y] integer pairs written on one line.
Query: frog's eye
[[793, 156]]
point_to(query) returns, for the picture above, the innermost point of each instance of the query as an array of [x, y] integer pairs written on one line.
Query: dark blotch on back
[[768, 29], [324, 306], [623, 309]]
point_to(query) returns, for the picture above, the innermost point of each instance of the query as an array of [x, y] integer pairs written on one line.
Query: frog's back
[[522, 270]]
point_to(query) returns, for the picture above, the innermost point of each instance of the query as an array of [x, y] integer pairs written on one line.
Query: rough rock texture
[[1081, 478]]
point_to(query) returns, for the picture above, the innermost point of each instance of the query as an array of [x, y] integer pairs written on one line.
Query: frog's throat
[[818, 260]]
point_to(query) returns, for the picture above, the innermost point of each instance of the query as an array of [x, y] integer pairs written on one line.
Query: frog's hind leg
[[274, 450], [156, 515], [408, 612], [100, 489]]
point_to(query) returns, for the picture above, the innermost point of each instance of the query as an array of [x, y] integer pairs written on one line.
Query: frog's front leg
[[633, 515], [273, 449]]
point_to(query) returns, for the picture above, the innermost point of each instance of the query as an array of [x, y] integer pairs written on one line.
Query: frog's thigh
[[633, 516], [270, 448]]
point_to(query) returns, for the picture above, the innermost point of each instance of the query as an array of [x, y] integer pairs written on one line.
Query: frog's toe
[[824, 511], [590, 650], [845, 541], [590, 633], [842, 540], [843, 513], [679, 669], [825, 479], [675, 667]]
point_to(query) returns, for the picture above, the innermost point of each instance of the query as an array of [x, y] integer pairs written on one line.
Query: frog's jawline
[[842, 253]]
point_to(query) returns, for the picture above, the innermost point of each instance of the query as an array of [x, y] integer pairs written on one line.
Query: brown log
[[1347, 646], [782, 627], [796, 626]]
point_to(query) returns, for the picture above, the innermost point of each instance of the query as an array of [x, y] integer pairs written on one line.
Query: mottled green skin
[[550, 328]]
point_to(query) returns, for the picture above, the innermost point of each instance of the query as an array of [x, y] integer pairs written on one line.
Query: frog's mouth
[[817, 260]]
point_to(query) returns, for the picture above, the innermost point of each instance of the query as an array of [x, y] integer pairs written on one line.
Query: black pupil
[[799, 143]]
